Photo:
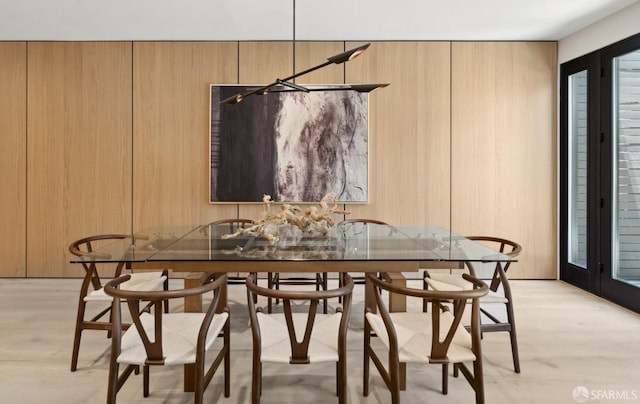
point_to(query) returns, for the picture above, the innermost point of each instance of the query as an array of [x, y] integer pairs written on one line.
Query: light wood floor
[[568, 338]]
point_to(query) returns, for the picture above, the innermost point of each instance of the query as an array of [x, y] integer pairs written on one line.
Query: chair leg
[[325, 286], [478, 380], [145, 381], [166, 287], [112, 388], [342, 381], [394, 377], [514, 339], [256, 383], [77, 336], [227, 358], [273, 281], [445, 378], [338, 378], [365, 371], [425, 302]]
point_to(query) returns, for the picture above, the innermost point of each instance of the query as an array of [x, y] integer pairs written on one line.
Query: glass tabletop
[[139, 247], [356, 242]]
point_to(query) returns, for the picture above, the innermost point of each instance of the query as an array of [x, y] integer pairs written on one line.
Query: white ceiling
[[314, 20]]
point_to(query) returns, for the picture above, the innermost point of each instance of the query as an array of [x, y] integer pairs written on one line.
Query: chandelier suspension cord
[[294, 40]]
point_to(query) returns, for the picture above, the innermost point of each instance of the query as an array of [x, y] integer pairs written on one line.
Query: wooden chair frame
[[234, 225], [84, 247], [300, 349], [360, 279], [439, 348], [273, 278], [499, 278], [154, 345]]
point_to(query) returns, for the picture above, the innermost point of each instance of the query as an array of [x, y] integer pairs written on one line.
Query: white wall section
[[220, 20]]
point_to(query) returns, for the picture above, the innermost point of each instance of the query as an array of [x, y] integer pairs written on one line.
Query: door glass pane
[[578, 168], [626, 170]]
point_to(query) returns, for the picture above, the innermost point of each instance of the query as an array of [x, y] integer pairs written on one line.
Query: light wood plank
[[171, 130], [310, 54], [409, 139], [13, 144], [504, 148], [79, 149]]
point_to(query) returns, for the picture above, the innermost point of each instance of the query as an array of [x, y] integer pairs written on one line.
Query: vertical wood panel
[[309, 54], [261, 63], [504, 148], [13, 121], [408, 131], [79, 148], [171, 130]]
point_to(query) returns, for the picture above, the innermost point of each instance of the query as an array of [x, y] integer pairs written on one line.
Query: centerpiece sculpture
[[314, 221]]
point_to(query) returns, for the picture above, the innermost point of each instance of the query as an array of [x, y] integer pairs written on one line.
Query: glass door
[[577, 172], [621, 274], [600, 172]]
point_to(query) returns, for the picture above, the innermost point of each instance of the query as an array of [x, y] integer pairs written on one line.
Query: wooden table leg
[[192, 304], [397, 303]]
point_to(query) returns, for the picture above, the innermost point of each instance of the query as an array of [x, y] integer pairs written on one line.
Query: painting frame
[[295, 146]]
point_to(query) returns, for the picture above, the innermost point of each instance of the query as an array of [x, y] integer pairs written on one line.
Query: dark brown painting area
[[294, 146]]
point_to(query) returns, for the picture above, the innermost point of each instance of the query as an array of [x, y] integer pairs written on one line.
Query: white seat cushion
[[276, 346], [179, 337], [142, 281], [414, 336], [448, 282], [453, 283], [493, 297]]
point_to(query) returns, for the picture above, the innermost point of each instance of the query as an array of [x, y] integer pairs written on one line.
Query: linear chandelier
[[285, 84]]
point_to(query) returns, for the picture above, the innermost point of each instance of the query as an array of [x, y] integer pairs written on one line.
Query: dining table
[[389, 250]]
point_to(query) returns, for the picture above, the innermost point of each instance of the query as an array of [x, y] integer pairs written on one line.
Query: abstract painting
[[293, 145]]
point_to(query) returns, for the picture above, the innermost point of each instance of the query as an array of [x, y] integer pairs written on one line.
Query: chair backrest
[[85, 247], [300, 348], [437, 300], [498, 270], [153, 344], [361, 221], [234, 225]]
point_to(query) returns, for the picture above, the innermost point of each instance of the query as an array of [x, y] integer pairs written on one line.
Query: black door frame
[[621, 292], [585, 278], [597, 277]]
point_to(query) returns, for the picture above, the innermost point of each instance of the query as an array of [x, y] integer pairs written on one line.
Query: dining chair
[[359, 279], [432, 337], [160, 338], [299, 335], [499, 289], [320, 280], [92, 291], [273, 279], [231, 226]]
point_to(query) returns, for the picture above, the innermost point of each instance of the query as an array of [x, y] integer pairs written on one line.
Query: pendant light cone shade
[[336, 59], [348, 55]]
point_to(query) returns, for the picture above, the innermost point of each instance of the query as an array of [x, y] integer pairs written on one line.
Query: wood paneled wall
[[79, 148], [117, 138], [504, 148], [171, 120], [13, 153], [409, 149]]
